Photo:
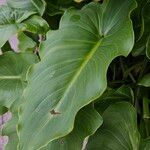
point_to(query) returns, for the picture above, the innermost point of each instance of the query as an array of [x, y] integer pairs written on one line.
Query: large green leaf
[[13, 68], [119, 130], [13, 21], [30, 5], [72, 71], [86, 123]]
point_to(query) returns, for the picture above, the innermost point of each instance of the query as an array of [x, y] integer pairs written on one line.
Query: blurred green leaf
[[37, 6], [13, 21]]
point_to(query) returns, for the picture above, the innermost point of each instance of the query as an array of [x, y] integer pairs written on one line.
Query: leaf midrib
[[10, 77], [77, 74], [75, 77]]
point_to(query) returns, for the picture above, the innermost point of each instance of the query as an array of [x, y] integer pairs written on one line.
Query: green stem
[[123, 71], [132, 78], [146, 107], [146, 114], [136, 102]]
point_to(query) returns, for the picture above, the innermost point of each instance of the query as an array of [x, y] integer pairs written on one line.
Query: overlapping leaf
[[137, 19], [86, 123], [145, 80], [112, 96], [30, 5], [145, 144], [59, 6], [146, 35], [13, 21], [13, 68], [119, 130], [25, 42], [72, 72], [142, 44]]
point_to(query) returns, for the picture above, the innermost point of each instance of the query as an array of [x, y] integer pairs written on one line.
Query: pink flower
[[2, 2]]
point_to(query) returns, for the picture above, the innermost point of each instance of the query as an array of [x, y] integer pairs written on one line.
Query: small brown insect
[[53, 112]]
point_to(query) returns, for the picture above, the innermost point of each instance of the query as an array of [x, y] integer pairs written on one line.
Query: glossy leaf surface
[[74, 62]]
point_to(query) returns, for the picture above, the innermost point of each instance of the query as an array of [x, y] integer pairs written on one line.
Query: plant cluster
[[75, 75]]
